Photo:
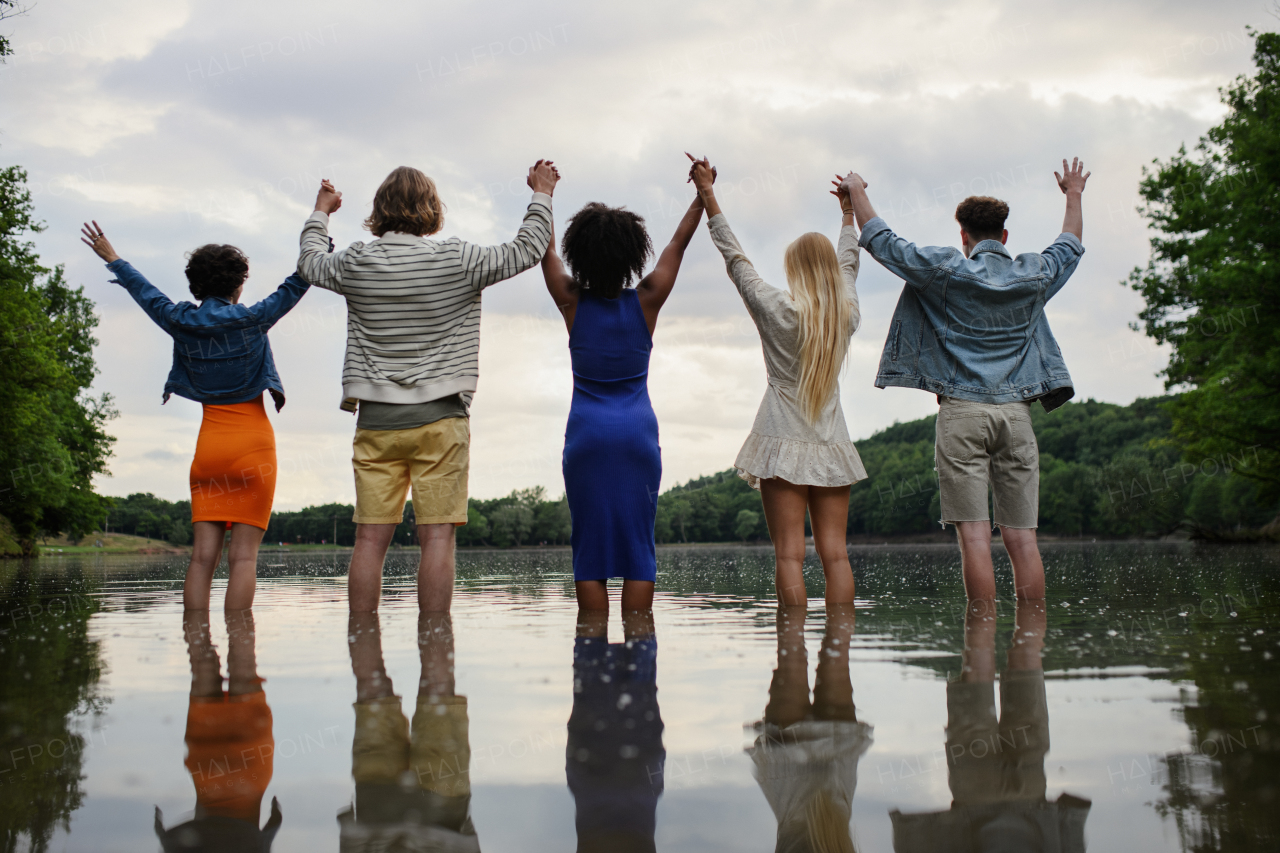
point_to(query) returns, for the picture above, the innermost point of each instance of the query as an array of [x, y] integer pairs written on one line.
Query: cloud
[[176, 125]]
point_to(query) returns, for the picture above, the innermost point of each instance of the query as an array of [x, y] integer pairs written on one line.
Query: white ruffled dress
[[782, 442]]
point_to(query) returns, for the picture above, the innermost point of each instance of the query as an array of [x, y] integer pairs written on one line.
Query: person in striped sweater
[[412, 360]]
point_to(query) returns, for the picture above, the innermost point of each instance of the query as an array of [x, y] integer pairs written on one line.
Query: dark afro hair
[[216, 270], [606, 248], [982, 216]]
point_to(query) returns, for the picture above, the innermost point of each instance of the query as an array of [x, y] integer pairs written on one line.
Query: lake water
[[1138, 710]]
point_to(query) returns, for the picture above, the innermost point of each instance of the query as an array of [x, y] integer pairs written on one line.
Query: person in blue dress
[[612, 461]]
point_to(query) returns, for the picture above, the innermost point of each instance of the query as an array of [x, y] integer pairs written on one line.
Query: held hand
[[846, 185], [96, 240], [1073, 177], [701, 173], [543, 177], [328, 200]]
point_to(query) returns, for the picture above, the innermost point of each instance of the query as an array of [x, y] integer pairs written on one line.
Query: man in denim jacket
[[970, 328]]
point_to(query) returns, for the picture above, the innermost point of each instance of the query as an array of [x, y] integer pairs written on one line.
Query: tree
[[512, 523], [1212, 285], [476, 530], [746, 523], [51, 668], [552, 522], [52, 437]]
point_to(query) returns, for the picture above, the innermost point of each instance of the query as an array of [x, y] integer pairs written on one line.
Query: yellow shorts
[[432, 460]]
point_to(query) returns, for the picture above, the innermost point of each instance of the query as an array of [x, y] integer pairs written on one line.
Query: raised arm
[[269, 311], [559, 283], [318, 264], [158, 306], [486, 265], [654, 288], [759, 297], [1071, 182], [901, 257]]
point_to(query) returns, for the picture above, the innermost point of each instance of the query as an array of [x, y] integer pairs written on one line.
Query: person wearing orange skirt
[[222, 360], [230, 744]]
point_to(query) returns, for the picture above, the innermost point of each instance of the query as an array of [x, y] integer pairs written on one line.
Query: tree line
[[1106, 470]]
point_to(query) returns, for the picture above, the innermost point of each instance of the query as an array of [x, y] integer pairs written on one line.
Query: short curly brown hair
[[982, 216], [406, 202], [216, 270], [606, 248]]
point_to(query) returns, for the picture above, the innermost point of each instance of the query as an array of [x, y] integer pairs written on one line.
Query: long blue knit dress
[[612, 462]]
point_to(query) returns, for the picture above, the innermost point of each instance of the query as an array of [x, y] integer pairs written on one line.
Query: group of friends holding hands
[[969, 327]]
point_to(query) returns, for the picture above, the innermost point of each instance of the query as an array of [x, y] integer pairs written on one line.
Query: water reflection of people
[[413, 791], [806, 752], [615, 758], [996, 767], [229, 744]]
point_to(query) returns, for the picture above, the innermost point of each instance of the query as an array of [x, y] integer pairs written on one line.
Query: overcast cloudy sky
[[175, 124]]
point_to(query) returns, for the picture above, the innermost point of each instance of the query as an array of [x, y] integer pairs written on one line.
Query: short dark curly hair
[[216, 270], [982, 216], [606, 248]]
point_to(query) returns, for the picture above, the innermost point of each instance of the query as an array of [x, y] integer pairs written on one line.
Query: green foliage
[[144, 514], [523, 517], [511, 524], [52, 436], [1212, 286], [50, 670], [1105, 470], [709, 509]]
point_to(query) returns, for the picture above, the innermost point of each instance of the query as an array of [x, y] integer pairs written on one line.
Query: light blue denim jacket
[[221, 354], [974, 328]]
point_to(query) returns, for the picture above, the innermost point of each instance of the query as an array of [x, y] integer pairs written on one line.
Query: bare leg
[[637, 624], [435, 567], [364, 638], [784, 508], [206, 669], [1028, 569], [829, 514], [592, 595], [978, 663], [206, 552], [832, 686], [242, 660], [242, 556], [435, 650], [593, 623], [975, 559], [364, 576], [1028, 636], [789, 688], [637, 595]]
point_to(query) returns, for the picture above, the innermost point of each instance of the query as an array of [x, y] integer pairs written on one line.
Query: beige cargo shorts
[[987, 445]]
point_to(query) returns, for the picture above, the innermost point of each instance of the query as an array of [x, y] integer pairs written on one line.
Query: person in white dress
[[798, 453], [806, 751]]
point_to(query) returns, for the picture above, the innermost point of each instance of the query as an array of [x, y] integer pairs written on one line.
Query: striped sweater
[[413, 305]]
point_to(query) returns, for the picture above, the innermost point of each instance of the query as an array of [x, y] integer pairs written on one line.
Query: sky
[[175, 124]]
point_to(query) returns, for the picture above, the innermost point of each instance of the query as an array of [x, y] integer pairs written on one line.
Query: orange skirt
[[230, 753], [233, 477]]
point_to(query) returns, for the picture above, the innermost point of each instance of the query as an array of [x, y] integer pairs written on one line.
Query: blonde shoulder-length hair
[[406, 202], [817, 288]]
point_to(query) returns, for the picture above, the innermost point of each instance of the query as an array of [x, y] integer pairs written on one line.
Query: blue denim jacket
[[221, 354], [974, 328]]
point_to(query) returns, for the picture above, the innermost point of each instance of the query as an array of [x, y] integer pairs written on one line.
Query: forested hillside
[[1106, 470]]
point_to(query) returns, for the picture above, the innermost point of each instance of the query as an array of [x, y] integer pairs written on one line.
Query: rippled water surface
[[1139, 710]]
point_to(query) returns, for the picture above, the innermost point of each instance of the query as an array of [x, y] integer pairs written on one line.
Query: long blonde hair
[[828, 825], [817, 287]]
